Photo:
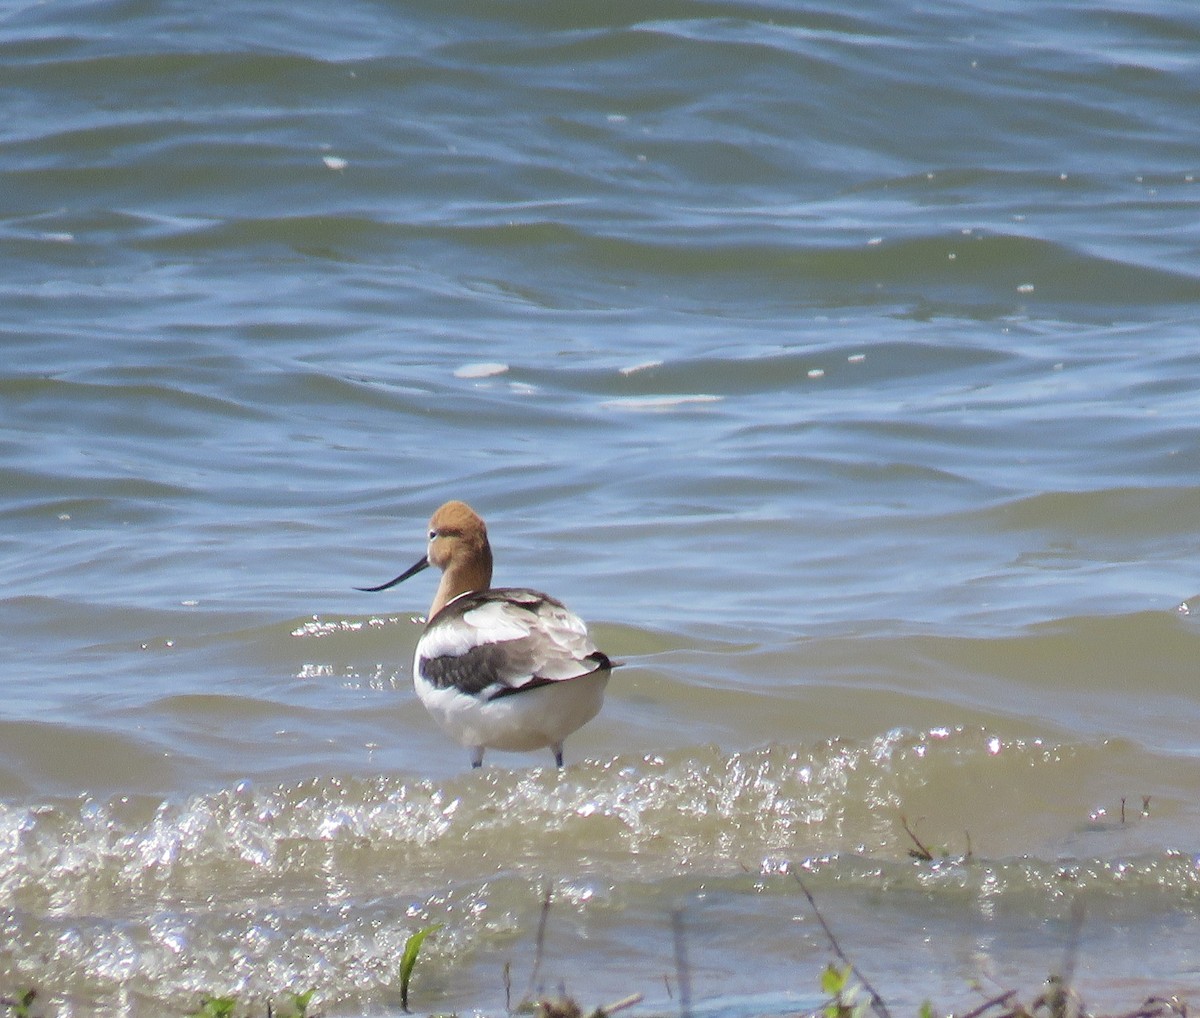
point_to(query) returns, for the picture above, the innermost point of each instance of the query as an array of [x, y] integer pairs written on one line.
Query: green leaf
[[21, 1008], [300, 1002], [408, 960], [833, 979], [215, 1007]]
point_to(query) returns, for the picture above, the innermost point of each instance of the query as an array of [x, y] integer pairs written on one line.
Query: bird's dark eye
[[432, 534]]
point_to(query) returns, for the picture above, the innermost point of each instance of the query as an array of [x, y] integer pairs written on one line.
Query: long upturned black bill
[[412, 570]]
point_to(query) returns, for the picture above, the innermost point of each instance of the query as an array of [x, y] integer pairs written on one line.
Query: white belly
[[519, 722]]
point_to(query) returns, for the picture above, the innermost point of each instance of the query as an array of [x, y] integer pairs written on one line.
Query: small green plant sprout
[[300, 1002], [22, 1006], [843, 994], [408, 960], [215, 1007], [296, 1007]]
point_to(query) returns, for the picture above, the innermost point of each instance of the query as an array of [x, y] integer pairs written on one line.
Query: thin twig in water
[[921, 852], [877, 1004], [987, 1005], [1058, 997], [683, 975], [1068, 1005], [620, 1005], [539, 945]]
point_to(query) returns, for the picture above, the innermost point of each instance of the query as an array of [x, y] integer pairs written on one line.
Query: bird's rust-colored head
[[458, 546]]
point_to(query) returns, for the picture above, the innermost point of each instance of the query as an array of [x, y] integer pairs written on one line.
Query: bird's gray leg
[[557, 749], [476, 756]]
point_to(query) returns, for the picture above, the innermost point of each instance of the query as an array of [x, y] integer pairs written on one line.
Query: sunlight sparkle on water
[[316, 627]]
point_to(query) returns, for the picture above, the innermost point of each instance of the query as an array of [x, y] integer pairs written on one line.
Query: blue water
[[839, 365]]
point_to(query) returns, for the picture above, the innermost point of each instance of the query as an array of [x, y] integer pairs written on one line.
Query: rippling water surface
[[838, 363]]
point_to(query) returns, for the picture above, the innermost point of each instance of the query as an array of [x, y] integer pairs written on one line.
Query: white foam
[[659, 403], [630, 369], [481, 370]]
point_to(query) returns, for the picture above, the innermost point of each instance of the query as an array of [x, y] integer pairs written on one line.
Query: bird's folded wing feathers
[[498, 645]]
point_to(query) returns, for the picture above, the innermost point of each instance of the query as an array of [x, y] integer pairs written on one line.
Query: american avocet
[[510, 668]]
